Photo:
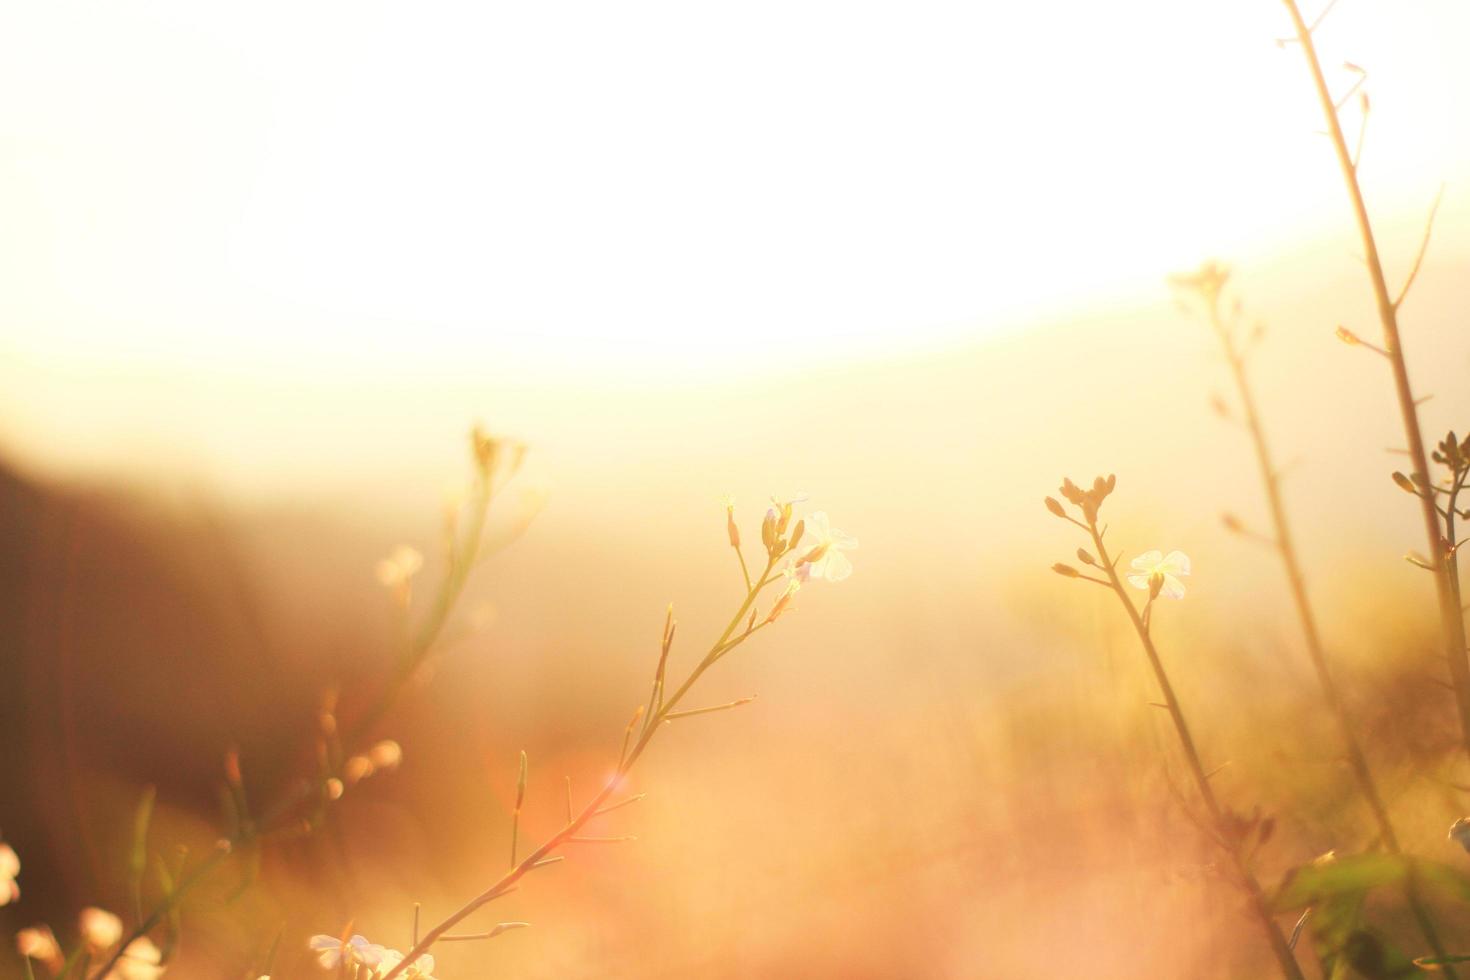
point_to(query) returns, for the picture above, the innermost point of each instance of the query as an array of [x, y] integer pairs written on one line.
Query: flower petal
[[1147, 561], [1176, 564], [838, 566]]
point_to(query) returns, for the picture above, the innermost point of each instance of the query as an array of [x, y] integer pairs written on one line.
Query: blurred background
[[262, 268]]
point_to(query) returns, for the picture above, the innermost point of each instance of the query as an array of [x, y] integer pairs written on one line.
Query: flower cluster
[[396, 572], [1088, 501], [1208, 281], [812, 550], [1153, 571], [1444, 495], [100, 933], [369, 960], [1452, 453]]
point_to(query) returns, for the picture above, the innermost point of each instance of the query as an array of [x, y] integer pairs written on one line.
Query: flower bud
[[785, 518], [815, 555], [1066, 571], [782, 603], [39, 943], [232, 767], [1084, 557], [1404, 483], [387, 754], [356, 769], [484, 448], [100, 929], [1055, 506]]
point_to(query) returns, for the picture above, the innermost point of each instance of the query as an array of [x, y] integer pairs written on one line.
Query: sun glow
[[651, 191]]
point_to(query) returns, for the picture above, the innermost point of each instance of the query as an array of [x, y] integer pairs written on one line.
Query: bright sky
[[646, 188]]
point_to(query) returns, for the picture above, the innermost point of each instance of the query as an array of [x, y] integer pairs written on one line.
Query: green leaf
[[1332, 924], [1312, 884]]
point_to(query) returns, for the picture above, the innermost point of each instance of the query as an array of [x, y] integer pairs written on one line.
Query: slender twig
[[1423, 247], [704, 711], [1452, 625]]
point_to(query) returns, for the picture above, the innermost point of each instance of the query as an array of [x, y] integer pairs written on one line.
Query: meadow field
[[1019, 544]]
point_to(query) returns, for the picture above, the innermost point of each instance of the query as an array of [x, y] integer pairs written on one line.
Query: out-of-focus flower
[[387, 754], [332, 952], [356, 769], [1168, 568], [1209, 281], [824, 558], [100, 929], [1460, 832], [335, 789], [396, 572], [9, 868], [39, 943], [420, 969], [140, 961]]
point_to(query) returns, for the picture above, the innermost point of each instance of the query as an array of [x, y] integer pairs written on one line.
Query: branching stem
[[1452, 625], [1286, 548], [596, 806]]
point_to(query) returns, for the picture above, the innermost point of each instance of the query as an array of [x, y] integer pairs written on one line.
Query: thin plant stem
[[463, 560], [1255, 895], [1445, 567], [1286, 547], [571, 831]]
